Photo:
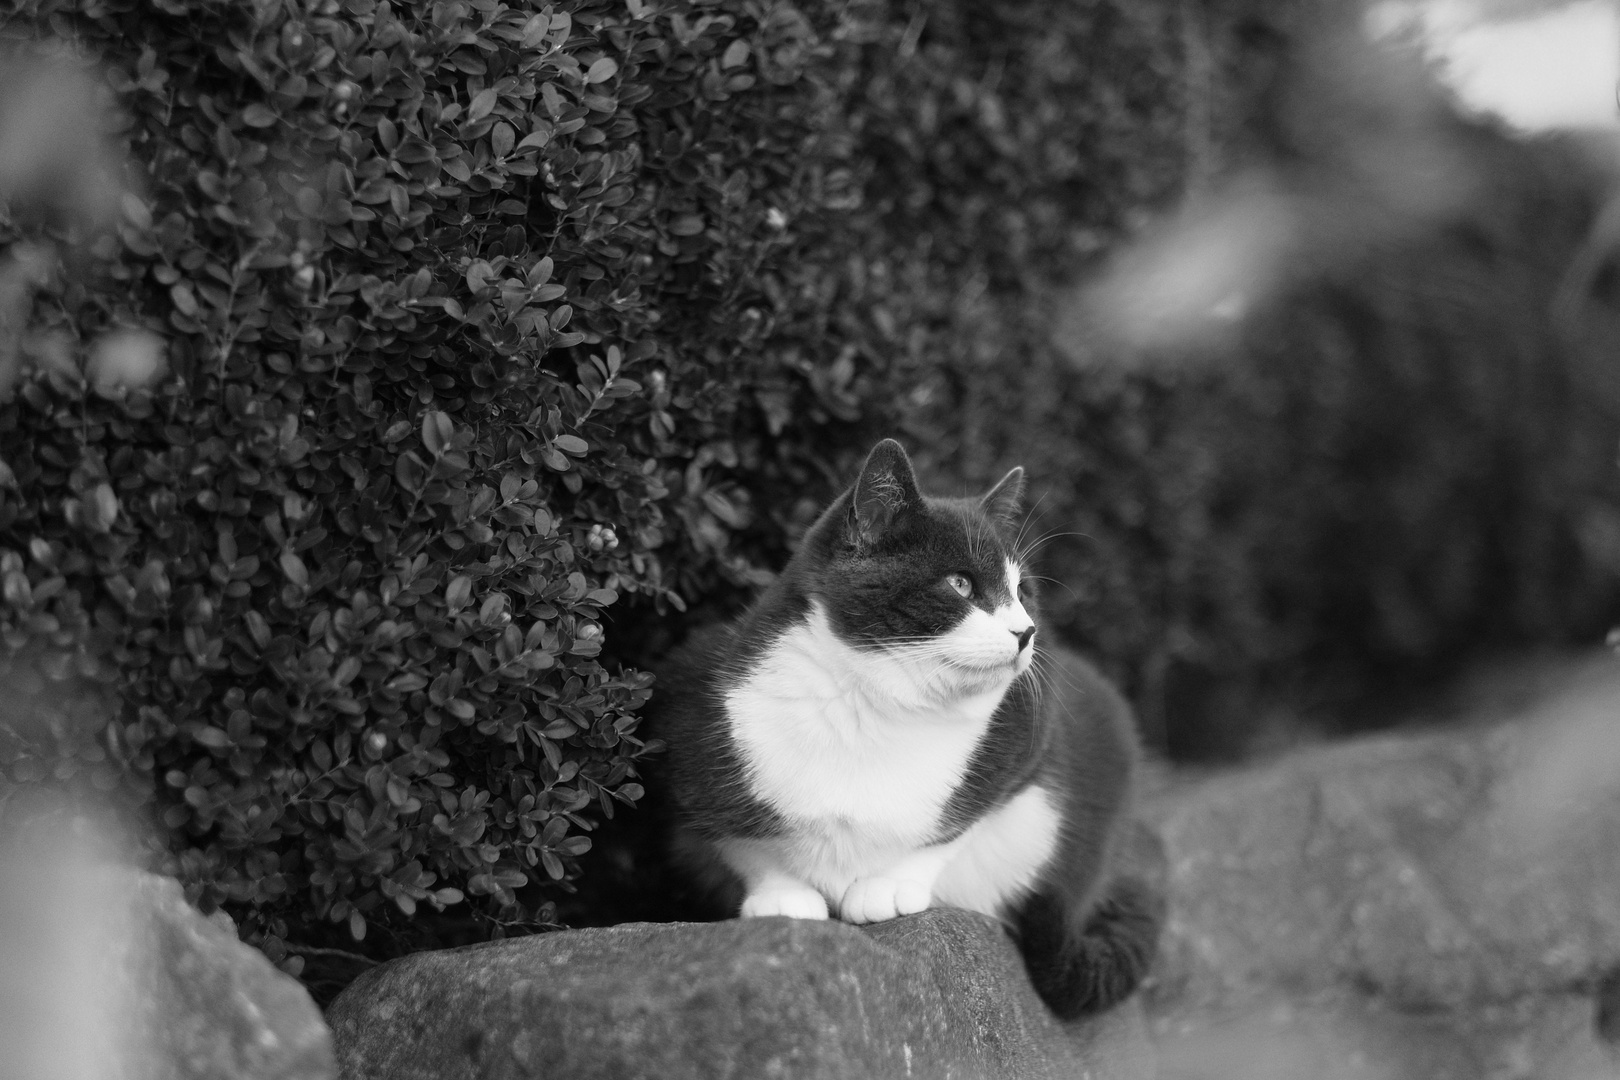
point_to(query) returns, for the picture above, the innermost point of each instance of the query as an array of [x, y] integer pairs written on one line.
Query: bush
[[346, 567]]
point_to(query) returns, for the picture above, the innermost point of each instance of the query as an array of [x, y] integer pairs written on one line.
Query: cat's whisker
[[1064, 585], [1041, 667], [1031, 517], [1026, 553]]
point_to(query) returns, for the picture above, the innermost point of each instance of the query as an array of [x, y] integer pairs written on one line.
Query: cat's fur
[[865, 742]]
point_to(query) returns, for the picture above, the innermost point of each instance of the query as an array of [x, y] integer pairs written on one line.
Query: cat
[[875, 736]]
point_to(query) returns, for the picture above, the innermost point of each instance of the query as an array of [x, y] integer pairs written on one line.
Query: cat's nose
[[1023, 636]]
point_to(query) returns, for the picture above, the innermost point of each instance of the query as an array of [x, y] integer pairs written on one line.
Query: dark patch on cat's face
[[879, 561], [898, 589]]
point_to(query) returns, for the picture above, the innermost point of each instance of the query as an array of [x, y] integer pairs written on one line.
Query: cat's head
[[928, 579]]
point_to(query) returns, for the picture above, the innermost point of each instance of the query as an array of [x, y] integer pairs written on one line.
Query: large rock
[[201, 1005], [937, 995], [1433, 906], [107, 972]]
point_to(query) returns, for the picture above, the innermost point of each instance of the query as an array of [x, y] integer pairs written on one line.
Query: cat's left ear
[[1005, 501], [886, 490]]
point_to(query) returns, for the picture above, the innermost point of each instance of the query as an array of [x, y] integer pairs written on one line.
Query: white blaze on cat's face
[[995, 646]]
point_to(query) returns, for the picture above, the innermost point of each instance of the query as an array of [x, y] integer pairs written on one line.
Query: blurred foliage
[[504, 342], [1386, 452]]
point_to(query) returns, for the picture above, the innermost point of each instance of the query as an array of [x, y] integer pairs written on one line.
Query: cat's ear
[[1005, 501], [887, 488]]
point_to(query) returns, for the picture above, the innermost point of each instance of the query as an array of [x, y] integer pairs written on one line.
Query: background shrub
[[505, 342]]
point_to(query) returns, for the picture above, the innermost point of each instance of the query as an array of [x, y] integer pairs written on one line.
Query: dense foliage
[[505, 340], [345, 568]]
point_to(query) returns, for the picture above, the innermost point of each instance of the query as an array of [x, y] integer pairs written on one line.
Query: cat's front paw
[[795, 903], [878, 899]]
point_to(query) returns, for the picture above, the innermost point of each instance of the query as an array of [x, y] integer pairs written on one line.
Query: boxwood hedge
[[340, 577]]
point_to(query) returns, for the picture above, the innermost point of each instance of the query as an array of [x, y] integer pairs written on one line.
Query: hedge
[[504, 342], [344, 570]]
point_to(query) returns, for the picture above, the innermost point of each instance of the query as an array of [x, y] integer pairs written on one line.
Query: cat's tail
[[1083, 963]]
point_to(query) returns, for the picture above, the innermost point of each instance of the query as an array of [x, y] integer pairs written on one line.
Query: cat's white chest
[[852, 747]]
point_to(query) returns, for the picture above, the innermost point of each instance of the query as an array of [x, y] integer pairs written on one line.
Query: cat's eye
[[960, 583]]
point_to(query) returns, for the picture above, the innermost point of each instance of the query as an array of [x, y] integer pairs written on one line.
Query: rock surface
[[937, 995], [1437, 906], [204, 1006], [110, 973]]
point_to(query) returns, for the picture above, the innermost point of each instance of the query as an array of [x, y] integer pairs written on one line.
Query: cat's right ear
[[1005, 501], [887, 488]]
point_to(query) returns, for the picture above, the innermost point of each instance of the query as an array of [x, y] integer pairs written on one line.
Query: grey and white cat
[[875, 736]]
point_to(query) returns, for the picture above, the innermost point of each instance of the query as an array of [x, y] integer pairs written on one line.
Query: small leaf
[[437, 432], [458, 592], [184, 300], [478, 274], [294, 568], [346, 671], [410, 472], [212, 737], [135, 211], [483, 103], [258, 629], [258, 116], [501, 138], [101, 509], [601, 71], [571, 444], [534, 31]]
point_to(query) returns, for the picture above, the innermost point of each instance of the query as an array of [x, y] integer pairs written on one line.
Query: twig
[[342, 954]]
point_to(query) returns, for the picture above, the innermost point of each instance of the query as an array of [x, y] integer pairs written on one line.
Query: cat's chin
[[975, 677]]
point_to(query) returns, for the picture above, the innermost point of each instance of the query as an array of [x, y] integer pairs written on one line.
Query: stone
[[108, 972], [202, 1005], [1439, 905], [939, 995]]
